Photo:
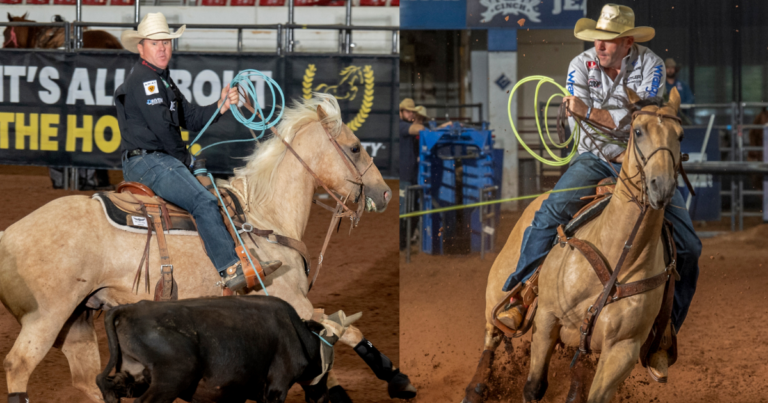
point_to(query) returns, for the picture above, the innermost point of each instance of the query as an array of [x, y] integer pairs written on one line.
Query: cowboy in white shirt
[[596, 81]]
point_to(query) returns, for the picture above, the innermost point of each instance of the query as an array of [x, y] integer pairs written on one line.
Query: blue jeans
[[172, 181], [559, 208]]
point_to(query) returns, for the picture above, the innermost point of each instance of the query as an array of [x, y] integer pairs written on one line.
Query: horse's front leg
[[474, 393], [616, 363], [546, 331], [399, 386]]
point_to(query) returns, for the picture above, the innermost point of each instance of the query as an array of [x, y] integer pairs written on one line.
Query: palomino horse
[[52, 37], [64, 261], [567, 283]]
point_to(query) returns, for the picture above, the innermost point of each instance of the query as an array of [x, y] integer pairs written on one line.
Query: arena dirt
[[360, 273], [723, 353]]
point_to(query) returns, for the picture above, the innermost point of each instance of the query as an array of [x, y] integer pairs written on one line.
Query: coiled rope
[[243, 79]]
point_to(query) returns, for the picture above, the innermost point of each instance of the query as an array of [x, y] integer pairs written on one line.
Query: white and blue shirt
[[641, 70]]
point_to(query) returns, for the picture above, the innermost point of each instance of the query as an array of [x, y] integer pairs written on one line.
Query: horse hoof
[[475, 395], [337, 394], [18, 397], [400, 387]]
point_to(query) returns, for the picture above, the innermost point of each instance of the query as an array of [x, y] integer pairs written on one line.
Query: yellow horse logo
[[346, 89]]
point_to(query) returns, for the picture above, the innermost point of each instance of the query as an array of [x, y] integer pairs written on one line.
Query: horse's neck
[[287, 210], [614, 227]]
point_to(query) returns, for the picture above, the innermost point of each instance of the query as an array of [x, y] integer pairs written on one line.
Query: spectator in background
[[412, 121], [409, 145], [686, 96]]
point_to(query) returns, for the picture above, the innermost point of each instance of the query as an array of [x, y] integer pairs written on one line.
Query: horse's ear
[[24, 17], [321, 113], [10, 19], [674, 99], [632, 96]]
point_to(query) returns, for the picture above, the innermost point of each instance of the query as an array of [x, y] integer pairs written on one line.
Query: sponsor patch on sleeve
[[150, 87]]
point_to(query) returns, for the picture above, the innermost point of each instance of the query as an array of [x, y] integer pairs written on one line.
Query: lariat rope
[[244, 80]]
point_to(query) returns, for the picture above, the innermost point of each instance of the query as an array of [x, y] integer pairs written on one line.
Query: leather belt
[[139, 151]]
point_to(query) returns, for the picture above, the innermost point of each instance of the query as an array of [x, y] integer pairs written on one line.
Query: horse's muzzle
[[660, 191], [377, 201]]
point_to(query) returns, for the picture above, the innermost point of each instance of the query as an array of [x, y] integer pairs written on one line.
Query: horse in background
[[53, 37]]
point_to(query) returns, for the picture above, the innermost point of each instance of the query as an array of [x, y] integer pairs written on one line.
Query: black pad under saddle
[[124, 210]]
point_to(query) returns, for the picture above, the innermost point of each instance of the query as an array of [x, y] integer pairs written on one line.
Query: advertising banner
[[57, 108], [535, 14]]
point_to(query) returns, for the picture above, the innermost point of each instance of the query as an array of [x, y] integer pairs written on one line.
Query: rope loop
[[244, 79]]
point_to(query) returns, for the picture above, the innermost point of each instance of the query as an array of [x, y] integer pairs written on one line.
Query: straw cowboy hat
[[408, 105], [420, 110], [615, 22], [153, 27]]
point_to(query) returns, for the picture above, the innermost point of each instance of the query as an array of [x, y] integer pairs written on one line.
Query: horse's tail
[[114, 347]]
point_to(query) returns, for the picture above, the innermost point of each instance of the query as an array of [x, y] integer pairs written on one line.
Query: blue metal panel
[[455, 164], [705, 206], [433, 14]]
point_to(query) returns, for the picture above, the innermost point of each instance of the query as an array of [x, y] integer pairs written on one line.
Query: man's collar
[[148, 65]]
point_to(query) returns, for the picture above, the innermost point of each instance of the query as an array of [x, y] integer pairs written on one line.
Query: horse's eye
[[638, 133], [356, 149]]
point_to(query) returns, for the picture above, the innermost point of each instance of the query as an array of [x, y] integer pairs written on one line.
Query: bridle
[[641, 201], [341, 210]]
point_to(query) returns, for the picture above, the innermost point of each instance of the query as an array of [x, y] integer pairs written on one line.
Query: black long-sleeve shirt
[[151, 110]]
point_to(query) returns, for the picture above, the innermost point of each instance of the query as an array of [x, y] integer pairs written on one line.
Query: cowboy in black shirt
[[150, 111]]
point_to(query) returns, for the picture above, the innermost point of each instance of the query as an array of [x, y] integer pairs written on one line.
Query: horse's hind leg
[[398, 384], [616, 363], [545, 334], [79, 344], [477, 386], [35, 340]]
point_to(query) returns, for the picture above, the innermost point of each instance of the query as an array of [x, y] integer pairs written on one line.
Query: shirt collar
[[161, 72]]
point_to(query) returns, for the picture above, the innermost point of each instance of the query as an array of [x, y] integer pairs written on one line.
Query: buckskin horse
[[568, 286], [53, 37], [64, 261]]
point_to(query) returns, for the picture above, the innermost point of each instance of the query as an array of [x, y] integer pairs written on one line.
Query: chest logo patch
[[592, 65], [156, 101], [150, 87]]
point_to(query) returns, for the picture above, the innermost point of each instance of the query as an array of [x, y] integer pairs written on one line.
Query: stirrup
[[512, 317], [234, 278]]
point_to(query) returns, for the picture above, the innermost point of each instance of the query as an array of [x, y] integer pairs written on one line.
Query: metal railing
[[411, 194], [487, 219]]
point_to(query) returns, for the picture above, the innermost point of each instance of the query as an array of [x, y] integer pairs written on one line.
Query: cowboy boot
[[235, 279], [658, 365], [513, 316]]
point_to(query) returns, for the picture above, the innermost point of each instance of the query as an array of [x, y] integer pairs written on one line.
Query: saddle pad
[[585, 215], [134, 221]]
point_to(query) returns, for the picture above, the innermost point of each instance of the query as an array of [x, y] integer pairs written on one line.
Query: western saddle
[[134, 206]]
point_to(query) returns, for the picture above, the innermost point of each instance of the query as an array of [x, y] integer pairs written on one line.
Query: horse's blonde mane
[[262, 165]]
